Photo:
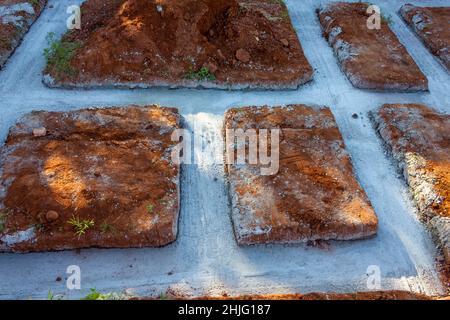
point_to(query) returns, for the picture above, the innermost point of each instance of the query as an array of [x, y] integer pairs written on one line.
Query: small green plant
[[200, 75], [150, 208], [50, 295], [284, 15], [386, 19], [59, 53], [81, 226], [38, 226], [106, 227], [34, 3], [5, 43], [95, 295], [163, 296], [3, 216]]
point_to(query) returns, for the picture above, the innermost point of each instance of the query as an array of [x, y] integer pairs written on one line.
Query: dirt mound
[[16, 17], [432, 26], [371, 59], [419, 140], [89, 178], [313, 195], [213, 43]]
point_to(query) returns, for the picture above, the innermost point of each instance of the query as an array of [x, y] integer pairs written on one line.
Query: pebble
[[285, 42], [51, 216], [243, 55], [39, 132]]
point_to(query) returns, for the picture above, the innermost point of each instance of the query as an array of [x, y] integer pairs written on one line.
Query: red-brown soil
[[431, 24], [313, 196], [374, 295], [144, 43], [419, 140], [109, 165], [369, 295], [16, 17], [371, 59]]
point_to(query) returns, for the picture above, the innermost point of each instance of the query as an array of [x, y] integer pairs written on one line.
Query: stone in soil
[[371, 59], [432, 25], [418, 138], [16, 17], [144, 43], [111, 166], [313, 196]]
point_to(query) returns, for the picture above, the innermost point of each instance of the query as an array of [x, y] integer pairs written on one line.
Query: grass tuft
[[34, 3], [95, 295], [3, 216], [59, 53], [201, 75], [106, 227], [387, 19], [80, 226]]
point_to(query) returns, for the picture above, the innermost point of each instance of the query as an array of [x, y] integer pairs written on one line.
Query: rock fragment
[[243, 55]]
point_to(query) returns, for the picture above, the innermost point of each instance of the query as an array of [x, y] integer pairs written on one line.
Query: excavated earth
[[314, 194], [142, 43], [370, 295], [111, 166], [16, 17], [371, 59], [419, 140], [432, 25]]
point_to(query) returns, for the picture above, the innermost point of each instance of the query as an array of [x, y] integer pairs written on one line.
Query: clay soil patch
[[419, 140], [371, 59], [109, 169], [183, 43], [374, 295], [432, 25], [313, 196], [16, 17]]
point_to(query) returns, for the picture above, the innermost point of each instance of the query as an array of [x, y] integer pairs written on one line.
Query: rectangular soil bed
[[313, 195], [371, 59], [432, 25], [16, 17], [225, 44], [419, 140], [89, 178]]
